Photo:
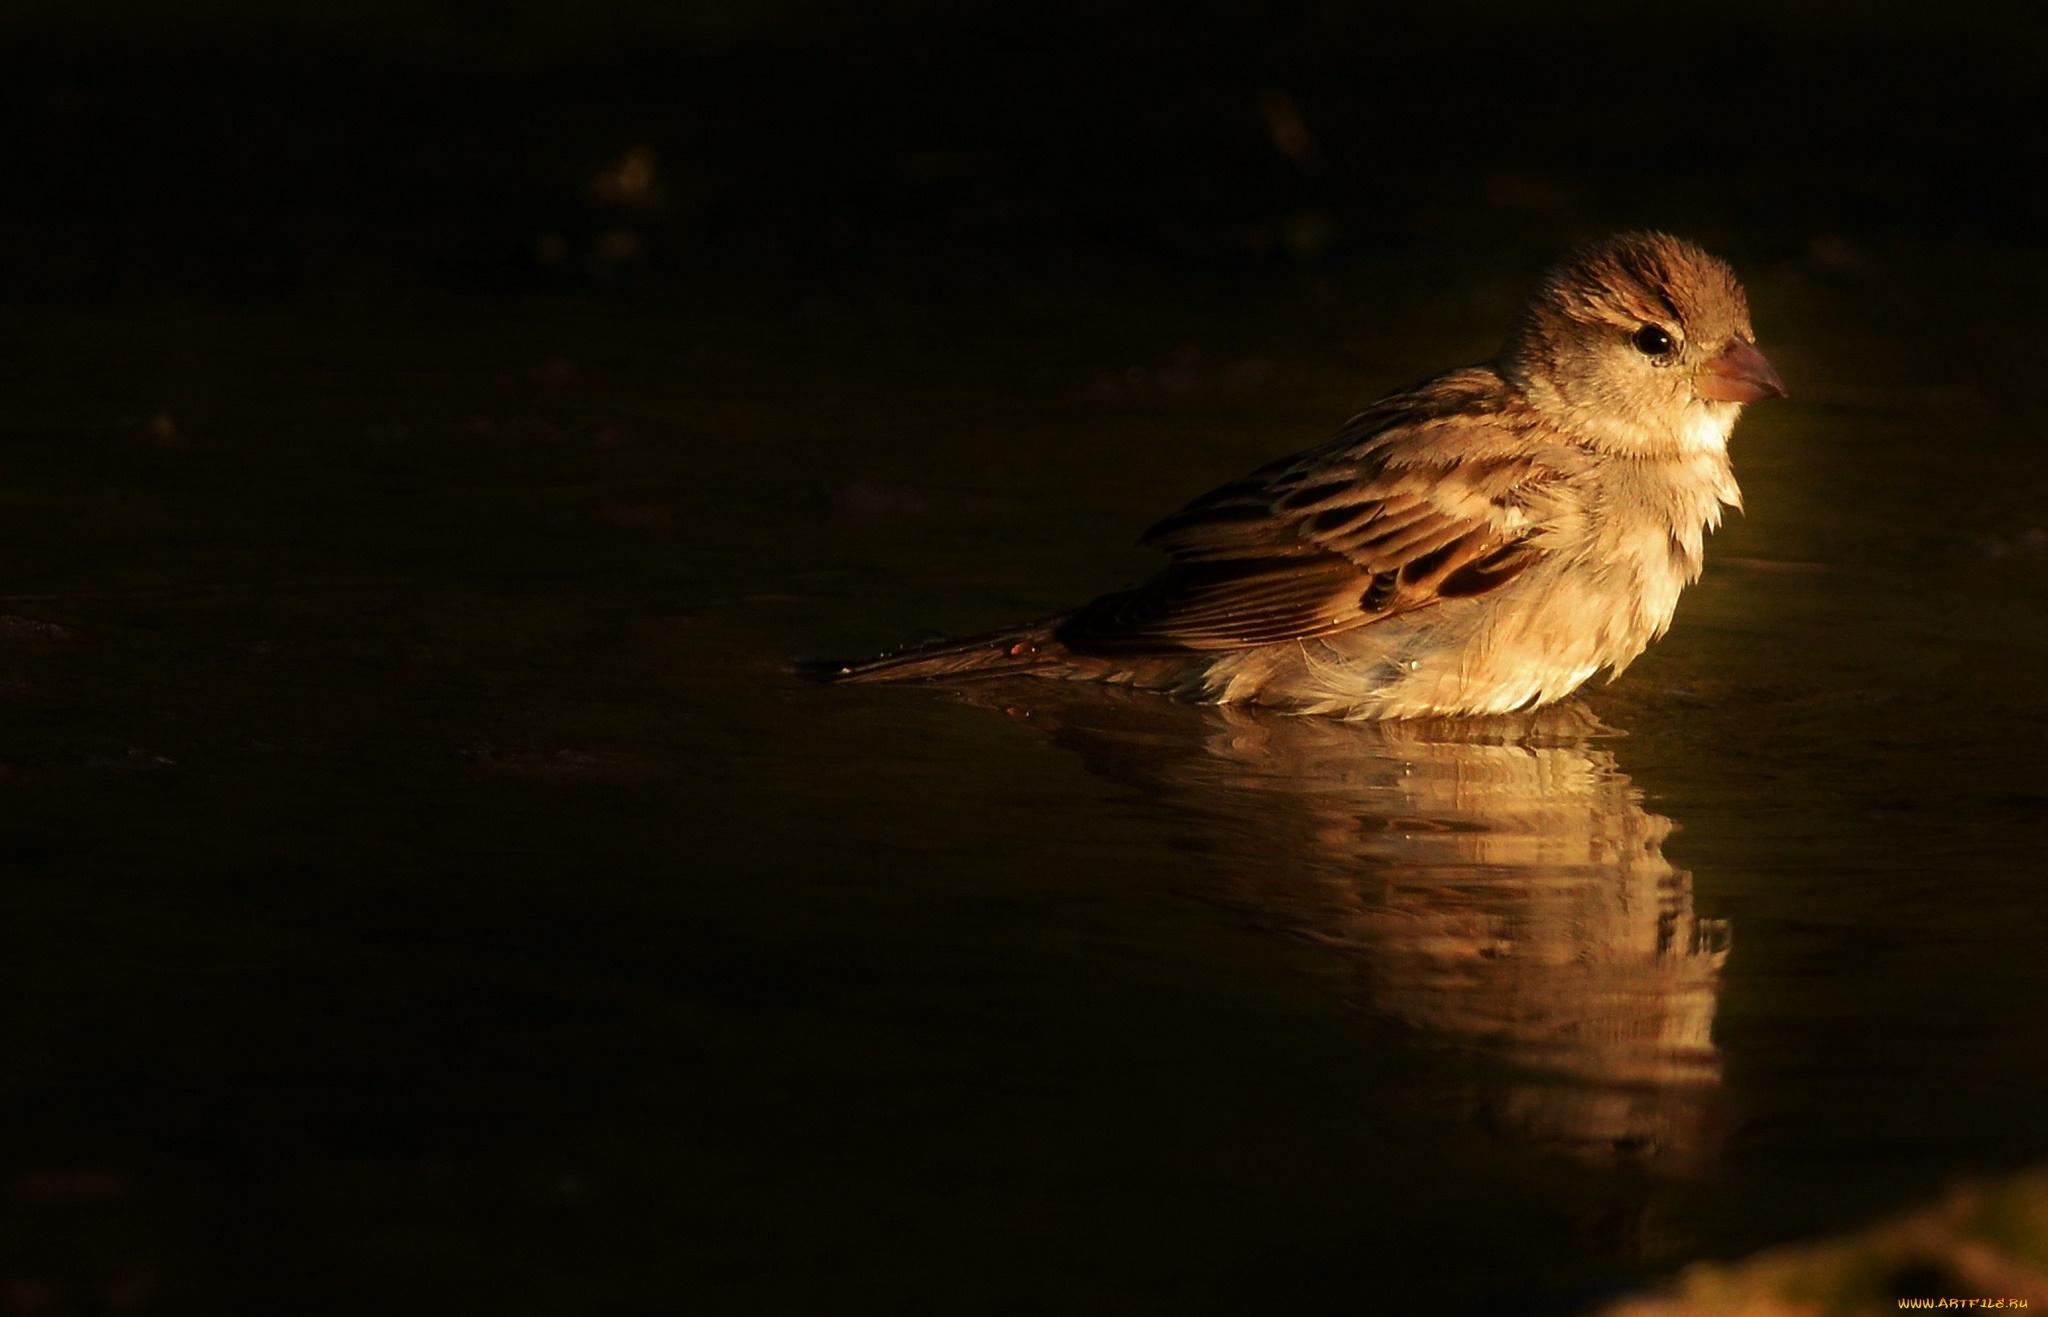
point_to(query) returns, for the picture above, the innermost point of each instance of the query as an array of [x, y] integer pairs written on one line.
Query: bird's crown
[[1636, 278]]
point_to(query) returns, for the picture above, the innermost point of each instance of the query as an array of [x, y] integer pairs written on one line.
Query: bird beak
[[1739, 374]]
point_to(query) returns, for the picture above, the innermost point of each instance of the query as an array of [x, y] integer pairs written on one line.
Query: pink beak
[[1739, 374]]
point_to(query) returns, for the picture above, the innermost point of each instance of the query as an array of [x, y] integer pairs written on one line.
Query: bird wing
[[1433, 494]]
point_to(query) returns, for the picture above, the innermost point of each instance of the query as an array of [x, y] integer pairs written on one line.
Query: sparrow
[[1480, 543]]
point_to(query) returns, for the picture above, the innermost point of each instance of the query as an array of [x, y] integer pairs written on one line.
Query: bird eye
[[1652, 341]]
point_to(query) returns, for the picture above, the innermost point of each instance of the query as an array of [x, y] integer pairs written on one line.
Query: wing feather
[[1430, 495]]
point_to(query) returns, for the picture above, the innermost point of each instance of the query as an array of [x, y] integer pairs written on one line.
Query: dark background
[[429, 429], [951, 153]]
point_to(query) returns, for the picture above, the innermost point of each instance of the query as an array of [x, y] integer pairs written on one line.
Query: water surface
[[427, 888]]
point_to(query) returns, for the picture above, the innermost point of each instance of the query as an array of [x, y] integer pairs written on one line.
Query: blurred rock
[[631, 184], [1290, 134], [1983, 1246], [30, 629]]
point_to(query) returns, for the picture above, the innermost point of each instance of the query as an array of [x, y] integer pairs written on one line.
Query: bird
[[1480, 543]]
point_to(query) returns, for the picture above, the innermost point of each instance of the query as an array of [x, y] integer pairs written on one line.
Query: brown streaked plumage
[[1481, 542]]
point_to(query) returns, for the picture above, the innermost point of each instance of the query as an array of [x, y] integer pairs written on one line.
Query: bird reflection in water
[[1496, 882]]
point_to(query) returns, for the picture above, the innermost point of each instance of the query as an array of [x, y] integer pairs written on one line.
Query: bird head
[[1640, 343]]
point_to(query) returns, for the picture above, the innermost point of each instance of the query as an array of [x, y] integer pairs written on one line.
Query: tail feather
[[993, 654]]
